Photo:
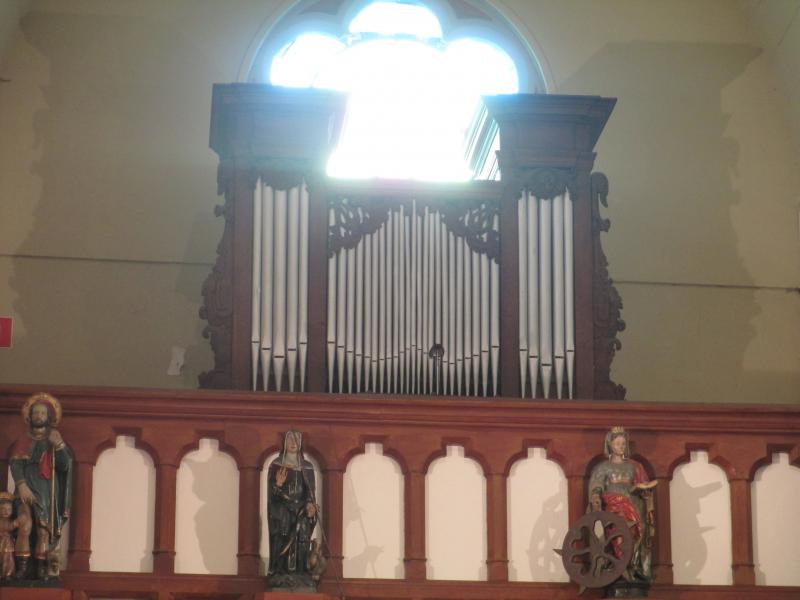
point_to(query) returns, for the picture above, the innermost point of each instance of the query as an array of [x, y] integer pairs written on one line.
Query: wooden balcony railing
[[414, 432]]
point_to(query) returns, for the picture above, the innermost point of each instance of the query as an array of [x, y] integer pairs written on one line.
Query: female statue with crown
[[620, 485]]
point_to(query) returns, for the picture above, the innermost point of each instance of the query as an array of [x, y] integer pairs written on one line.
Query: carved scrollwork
[[354, 218], [475, 222], [217, 306], [607, 301], [547, 183]]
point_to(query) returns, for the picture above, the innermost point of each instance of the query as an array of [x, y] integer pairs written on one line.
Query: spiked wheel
[[588, 549]]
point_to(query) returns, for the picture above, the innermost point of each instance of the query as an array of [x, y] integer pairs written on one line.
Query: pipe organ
[[413, 296], [485, 288]]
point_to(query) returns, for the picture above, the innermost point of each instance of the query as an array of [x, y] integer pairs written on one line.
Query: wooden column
[[80, 542], [583, 242], [509, 291], [318, 281], [662, 563], [742, 533], [414, 508], [576, 496], [249, 520], [241, 189], [3, 471], [334, 519], [164, 536], [497, 527]]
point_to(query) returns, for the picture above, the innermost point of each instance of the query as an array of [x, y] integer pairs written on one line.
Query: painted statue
[[7, 527], [619, 485], [41, 466], [292, 515]]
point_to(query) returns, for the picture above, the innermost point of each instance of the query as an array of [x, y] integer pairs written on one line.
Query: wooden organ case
[[483, 288]]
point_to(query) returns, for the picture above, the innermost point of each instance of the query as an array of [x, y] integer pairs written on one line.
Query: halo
[[42, 398]]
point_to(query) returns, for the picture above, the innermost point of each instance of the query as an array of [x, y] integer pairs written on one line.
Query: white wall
[[455, 518], [537, 518], [207, 512], [776, 523], [123, 509], [700, 513], [373, 516]]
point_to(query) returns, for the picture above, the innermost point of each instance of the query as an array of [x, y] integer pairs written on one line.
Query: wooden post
[[662, 564], [576, 496], [318, 282], [509, 292], [334, 519], [414, 508], [249, 521], [742, 533], [80, 543], [497, 527], [164, 536]]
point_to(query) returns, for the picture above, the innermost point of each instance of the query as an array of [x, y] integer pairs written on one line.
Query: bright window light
[[393, 18], [410, 102]]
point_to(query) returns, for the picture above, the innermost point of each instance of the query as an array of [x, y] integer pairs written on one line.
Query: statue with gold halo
[[41, 466]]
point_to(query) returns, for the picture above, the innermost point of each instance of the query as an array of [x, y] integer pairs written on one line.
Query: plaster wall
[[107, 185]]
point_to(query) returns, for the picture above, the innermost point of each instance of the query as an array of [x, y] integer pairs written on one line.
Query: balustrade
[[414, 432]]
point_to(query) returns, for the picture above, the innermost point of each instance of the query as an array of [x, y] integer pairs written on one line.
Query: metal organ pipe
[[546, 292], [331, 341], [267, 214], [292, 282], [303, 288], [558, 292], [569, 296], [255, 328]]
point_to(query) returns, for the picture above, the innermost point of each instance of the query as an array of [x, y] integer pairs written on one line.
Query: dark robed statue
[[41, 466], [292, 516]]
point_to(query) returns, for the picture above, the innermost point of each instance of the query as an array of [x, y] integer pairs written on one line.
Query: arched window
[[414, 73]]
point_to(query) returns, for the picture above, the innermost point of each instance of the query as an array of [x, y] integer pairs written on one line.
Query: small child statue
[[7, 526]]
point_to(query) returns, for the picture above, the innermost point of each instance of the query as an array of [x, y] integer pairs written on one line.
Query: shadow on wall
[[362, 564], [216, 521], [124, 190], [670, 166], [545, 564], [692, 564]]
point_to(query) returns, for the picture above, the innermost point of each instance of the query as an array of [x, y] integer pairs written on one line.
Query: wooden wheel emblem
[[588, 549]]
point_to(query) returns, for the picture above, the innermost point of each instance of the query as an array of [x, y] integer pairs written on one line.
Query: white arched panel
[[455, 518], [700, 514], [207, 512], [264, 543], [776, 523], [538, 518], [123, 509], [373, 516]]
